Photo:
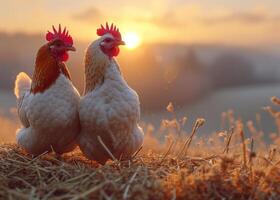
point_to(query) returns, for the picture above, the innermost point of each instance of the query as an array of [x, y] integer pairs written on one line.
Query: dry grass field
[[173, 164]]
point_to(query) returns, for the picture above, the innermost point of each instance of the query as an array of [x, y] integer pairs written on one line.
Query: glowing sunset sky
[[228, 21]]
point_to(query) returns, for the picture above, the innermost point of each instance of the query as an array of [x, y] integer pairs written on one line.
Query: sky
[[246, 22]]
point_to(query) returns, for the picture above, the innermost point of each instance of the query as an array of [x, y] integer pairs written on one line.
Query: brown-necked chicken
[[48, 104]]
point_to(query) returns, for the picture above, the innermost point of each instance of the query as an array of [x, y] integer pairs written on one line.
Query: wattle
[[111, 52], [64, 57], [115, 51]]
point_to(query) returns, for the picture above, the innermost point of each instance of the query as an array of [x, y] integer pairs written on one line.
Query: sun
[[132, 40]]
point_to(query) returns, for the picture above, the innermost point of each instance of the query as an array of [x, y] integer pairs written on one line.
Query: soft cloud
[[91, 15], [165, 20], [241, 17]]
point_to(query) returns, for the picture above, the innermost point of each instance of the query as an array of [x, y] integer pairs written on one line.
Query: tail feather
[[22, 84]]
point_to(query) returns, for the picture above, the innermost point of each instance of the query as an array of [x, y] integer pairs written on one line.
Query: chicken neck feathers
[[47, 70]]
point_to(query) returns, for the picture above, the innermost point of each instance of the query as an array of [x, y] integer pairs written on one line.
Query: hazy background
[[205, 56]]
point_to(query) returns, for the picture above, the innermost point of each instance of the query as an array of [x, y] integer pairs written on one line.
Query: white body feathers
[[50, 119]]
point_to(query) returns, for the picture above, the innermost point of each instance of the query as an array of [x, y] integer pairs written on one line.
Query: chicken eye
[[108, 40]]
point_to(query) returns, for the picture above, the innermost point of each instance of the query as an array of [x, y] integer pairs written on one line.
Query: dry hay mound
[[147, 176]]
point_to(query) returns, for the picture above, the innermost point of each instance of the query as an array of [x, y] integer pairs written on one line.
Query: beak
[[120, 42], [70, 48]]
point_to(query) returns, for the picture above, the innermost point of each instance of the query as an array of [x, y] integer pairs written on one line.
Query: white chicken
[[109, 111], [48, 104]]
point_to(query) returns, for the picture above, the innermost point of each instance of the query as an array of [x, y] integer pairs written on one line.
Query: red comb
[[112, 30], [62, 35]]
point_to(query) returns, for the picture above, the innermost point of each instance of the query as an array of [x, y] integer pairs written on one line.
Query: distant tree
[[189, 61], [232, 70], [192, 61]]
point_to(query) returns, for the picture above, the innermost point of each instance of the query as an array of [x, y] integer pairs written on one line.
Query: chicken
[[48, 104], [109, 110]]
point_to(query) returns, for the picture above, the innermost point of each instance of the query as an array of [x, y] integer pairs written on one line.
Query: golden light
[[132, 40]]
